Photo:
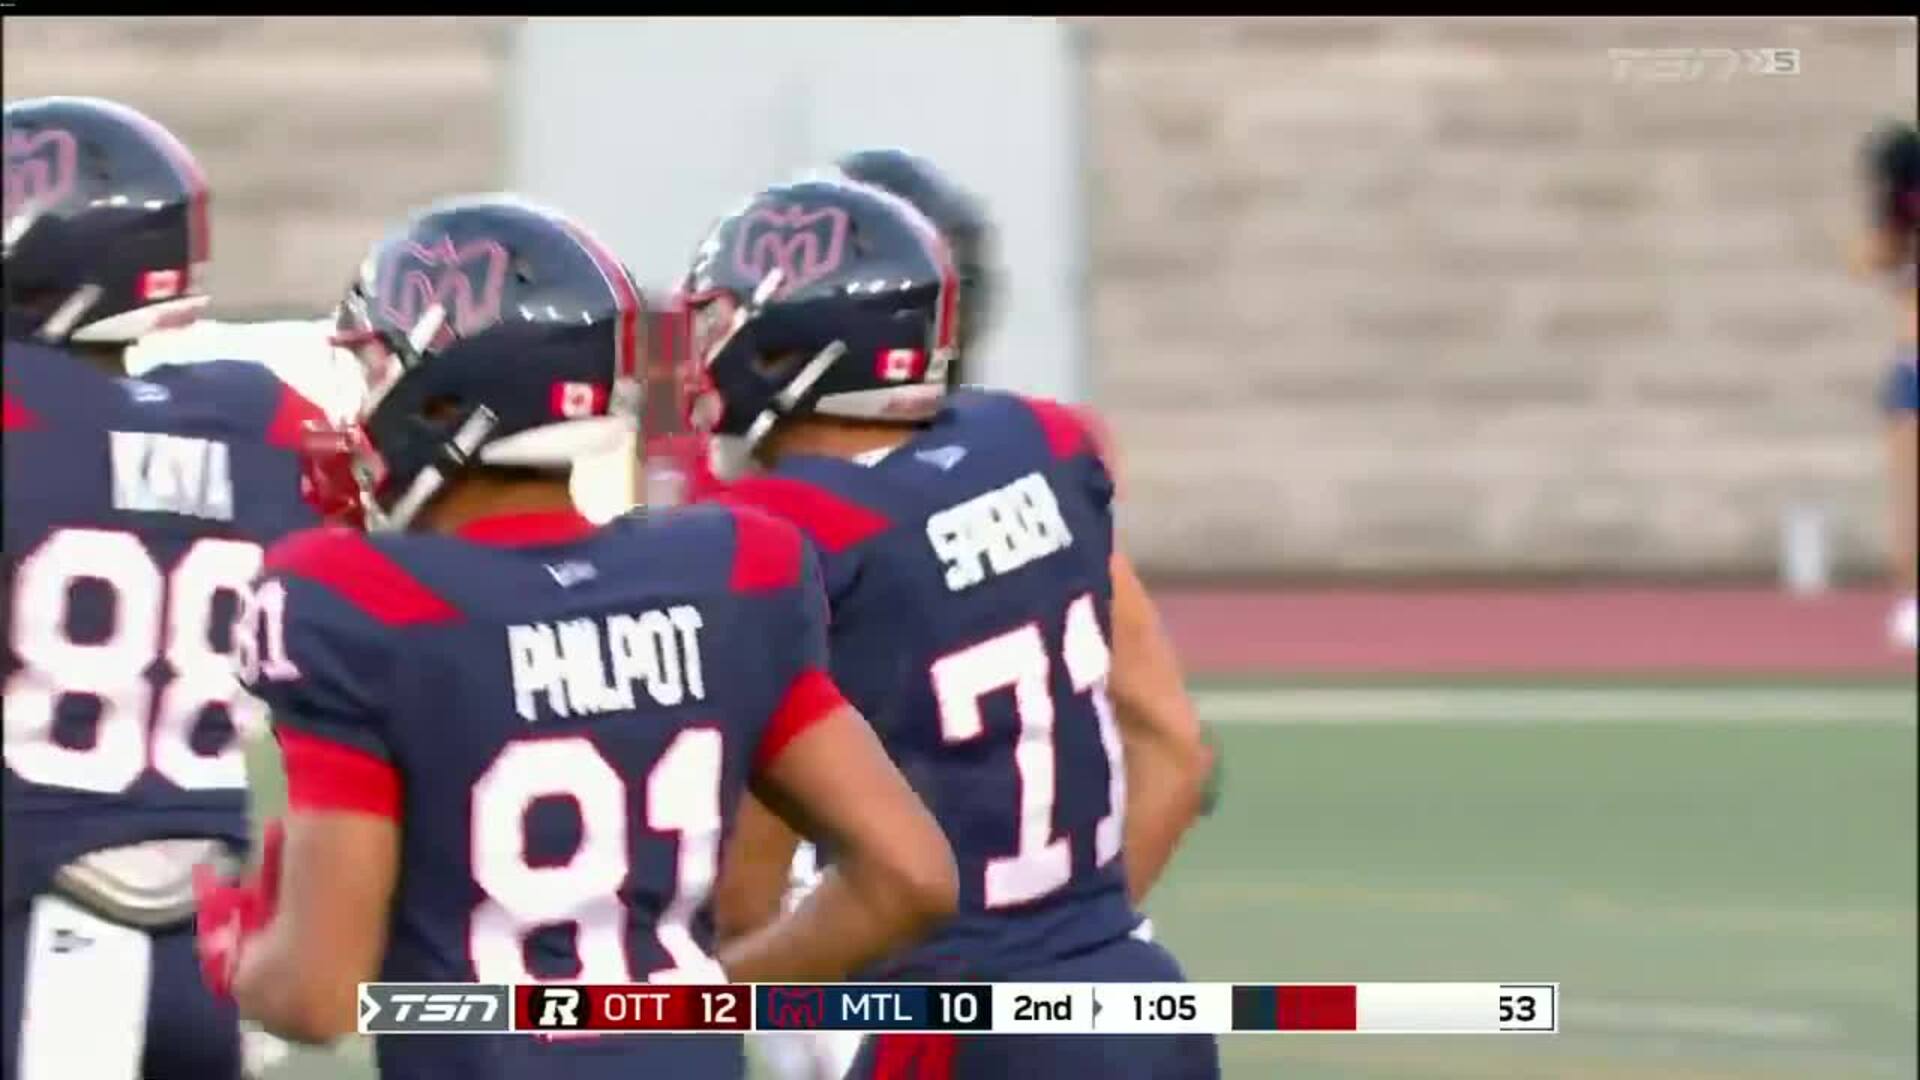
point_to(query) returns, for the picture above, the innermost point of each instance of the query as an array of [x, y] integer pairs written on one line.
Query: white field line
[[1545, 706], [1551, 705]]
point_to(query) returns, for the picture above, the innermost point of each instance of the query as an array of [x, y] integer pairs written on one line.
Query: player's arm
[[893, 876], [756, 871], [298, 977], [291, 942], [1168, 759], [821, 769]]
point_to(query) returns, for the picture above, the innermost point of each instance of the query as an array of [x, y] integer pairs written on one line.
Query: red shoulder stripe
[[292, 419], [18, 416], [326, 775], [834, 523], [766, 552], [360, 573], [812, 698], [1065, 427]]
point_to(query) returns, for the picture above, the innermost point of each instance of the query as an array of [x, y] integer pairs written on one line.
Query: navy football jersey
[[563, 719], [137, 510], [968, 576]]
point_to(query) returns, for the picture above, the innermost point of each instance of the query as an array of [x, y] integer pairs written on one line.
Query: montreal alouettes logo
[[41, 167], [804, 243], [466, 279]]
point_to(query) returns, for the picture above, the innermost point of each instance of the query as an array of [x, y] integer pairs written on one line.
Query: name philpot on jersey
[[172, 474], [999, 531], [582, 667]]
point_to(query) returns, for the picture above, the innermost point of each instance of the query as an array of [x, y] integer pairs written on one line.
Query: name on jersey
[[584, 667], [998, 532], [172, 474]]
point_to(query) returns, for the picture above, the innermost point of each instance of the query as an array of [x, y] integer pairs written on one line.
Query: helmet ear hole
[[38, 301], [777, 365], [440, 410]]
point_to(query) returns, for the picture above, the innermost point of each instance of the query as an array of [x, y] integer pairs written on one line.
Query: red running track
[[1569, 631]]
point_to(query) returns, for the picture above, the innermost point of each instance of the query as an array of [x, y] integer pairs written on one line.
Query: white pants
[[83, 1007], [85, 989], [806, 1055]]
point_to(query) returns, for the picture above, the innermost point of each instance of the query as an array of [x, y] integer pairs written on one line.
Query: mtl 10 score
[[957, 1009]]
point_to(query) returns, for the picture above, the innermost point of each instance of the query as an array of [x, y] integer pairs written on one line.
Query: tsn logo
[[391, 1008], [1687, 65], [441, 1008]]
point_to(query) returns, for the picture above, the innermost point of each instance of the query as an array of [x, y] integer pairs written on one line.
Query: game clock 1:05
[[1165, 1008]]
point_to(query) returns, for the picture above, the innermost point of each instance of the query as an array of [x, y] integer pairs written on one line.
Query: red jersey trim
[[18, 416], [834, 523], [293, 419], [1073, 429], [326, 775], [527, 530], [812, 698], [343, 561], [902, 1055], [766, 552], [1065, 426]]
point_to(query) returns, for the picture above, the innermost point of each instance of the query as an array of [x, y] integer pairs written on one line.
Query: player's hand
[[232, 911]]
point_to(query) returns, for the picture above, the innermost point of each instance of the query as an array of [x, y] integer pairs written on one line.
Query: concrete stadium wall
[[315, 133], [1409, 295], [1367, 296]]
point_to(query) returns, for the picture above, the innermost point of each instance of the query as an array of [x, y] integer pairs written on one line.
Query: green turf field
[[1720, 878]]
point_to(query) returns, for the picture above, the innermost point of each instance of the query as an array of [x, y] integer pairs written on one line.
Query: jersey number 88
[[157, 614]]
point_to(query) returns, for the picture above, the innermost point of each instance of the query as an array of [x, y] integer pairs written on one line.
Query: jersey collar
[[527, 530]]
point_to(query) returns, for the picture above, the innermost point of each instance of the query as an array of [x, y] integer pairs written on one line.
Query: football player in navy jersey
[[676, 467], [1890, 249], [515, 742], [137, 510], [981, 618]]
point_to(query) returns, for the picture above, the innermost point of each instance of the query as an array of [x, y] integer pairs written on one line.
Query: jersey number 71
[[1018, 660]]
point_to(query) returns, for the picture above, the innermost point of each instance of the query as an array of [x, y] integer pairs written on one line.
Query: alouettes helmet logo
[[465, 279], [804, 243], [41, 168]]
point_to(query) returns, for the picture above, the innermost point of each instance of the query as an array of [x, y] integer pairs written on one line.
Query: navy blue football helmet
[[820, 296], [106, 223], [490, 332], [958, 215]]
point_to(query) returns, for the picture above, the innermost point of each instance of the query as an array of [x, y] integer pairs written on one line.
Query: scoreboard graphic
[[568, 1010]]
